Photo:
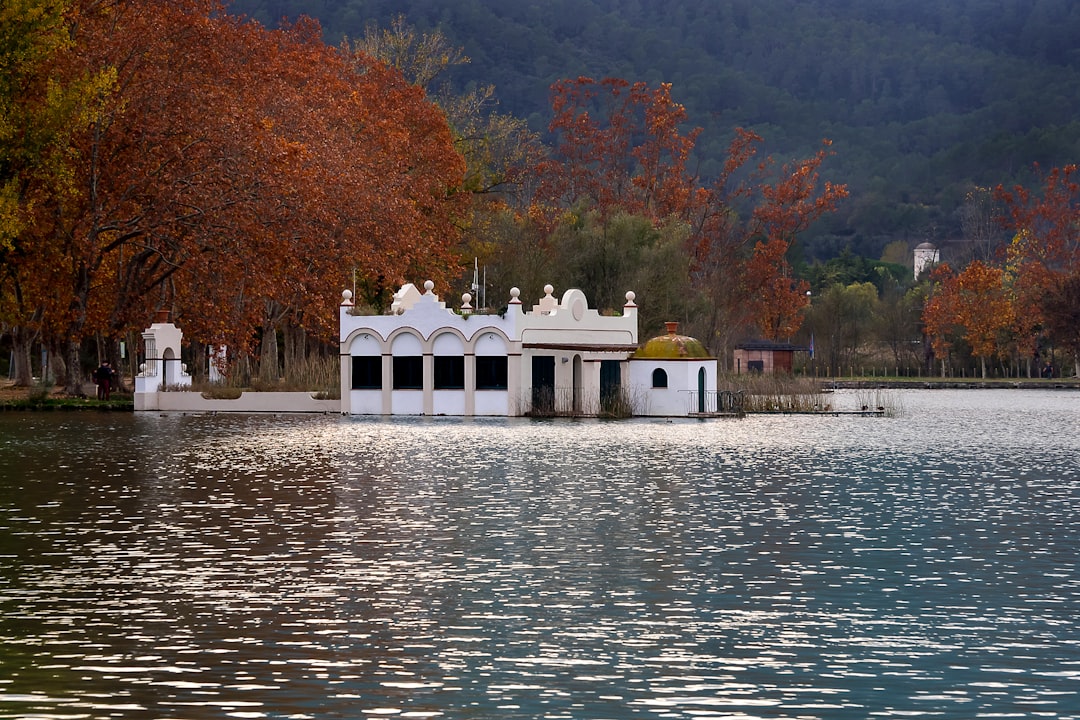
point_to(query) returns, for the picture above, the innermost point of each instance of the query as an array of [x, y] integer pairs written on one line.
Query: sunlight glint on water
[[923, 565]]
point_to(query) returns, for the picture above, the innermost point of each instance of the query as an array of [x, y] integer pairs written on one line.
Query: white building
[[562, 357], [926, 257], [162, 368]]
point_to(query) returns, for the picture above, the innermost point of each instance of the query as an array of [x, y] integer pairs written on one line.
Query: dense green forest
[[923, 99]]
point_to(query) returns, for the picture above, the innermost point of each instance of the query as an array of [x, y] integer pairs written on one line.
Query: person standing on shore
[[103, 377]]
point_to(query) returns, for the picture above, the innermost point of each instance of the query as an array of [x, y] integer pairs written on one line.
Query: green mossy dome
[[672, 346]]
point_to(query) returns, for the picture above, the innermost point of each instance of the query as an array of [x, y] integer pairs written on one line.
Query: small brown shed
[[763, 356]]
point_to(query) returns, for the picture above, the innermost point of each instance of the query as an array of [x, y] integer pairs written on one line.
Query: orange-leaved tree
[[939, 312], [358, 179], [1044, 255], [787, 207], [742, 263], [39, 110], [976, 304], [142, 181], [622, 147], [619, 147], [499, 149], [234, 175]]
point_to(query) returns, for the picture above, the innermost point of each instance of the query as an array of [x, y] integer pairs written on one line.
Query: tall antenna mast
[[476, 281]]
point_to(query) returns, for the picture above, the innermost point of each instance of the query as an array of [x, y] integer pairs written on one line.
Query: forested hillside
[[922, 99], [174, 157]]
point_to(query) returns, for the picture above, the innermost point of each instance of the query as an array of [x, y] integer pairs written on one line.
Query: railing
[[727, 402]]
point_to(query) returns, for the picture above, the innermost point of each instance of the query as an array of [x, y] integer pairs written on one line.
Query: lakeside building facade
[[560, 358]]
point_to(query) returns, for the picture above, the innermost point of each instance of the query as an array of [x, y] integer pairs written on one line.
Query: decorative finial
[[428, 285], [346, 297], [514, 293], [548, 289], [630, 297]]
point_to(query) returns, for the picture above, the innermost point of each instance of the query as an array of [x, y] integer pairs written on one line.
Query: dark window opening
[[367, 373], [755, 366], [659, 378], [409, 373], [491, 373], [449, 373], [543, 386]]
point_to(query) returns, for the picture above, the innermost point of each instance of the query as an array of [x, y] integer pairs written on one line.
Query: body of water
[[918, 565]]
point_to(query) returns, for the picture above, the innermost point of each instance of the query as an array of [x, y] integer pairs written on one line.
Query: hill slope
[[922, 99]]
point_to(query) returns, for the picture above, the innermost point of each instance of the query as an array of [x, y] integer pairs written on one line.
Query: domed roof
[[926, 246], [672, 346]]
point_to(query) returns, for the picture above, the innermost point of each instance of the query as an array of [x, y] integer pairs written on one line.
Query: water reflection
[[775, 567]]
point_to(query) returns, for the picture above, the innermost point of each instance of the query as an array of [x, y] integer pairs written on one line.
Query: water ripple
[[776, 567]]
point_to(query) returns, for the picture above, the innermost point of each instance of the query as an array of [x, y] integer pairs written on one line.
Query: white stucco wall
[[407, 402], [493, 403], [422, 325], [365, 402], [249, 402], [680, 396], [161, 366]]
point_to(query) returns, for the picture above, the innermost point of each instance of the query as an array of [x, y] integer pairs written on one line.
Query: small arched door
[[577, 385], [701, 390], [170, 367]]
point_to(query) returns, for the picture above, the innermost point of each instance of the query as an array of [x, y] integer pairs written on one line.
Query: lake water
[[919, 565]]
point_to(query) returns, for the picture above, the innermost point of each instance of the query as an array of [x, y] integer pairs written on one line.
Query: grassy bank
[[53, 398]]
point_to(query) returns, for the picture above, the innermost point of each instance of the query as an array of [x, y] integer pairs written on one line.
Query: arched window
[[449, 362], [407, 365], [659, 378]]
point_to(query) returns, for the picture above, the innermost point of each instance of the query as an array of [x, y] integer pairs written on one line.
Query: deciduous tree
[[235, 175], [743, 263], [976, 304], [622, 147], [1044, 254], [619, 148], [39, 111], [1061, 313], [842, 319], [498, 149]]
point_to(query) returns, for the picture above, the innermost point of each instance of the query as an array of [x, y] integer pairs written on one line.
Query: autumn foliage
[[235, 175], [623, 147], [618, 146], [1025, 297]]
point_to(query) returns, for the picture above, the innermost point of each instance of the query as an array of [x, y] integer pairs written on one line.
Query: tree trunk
[[113, 354], [22, 341], [75, 380], [268, 358], [59, 366], [295, 347], [133, 340], [102, 347], [241, 374]]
